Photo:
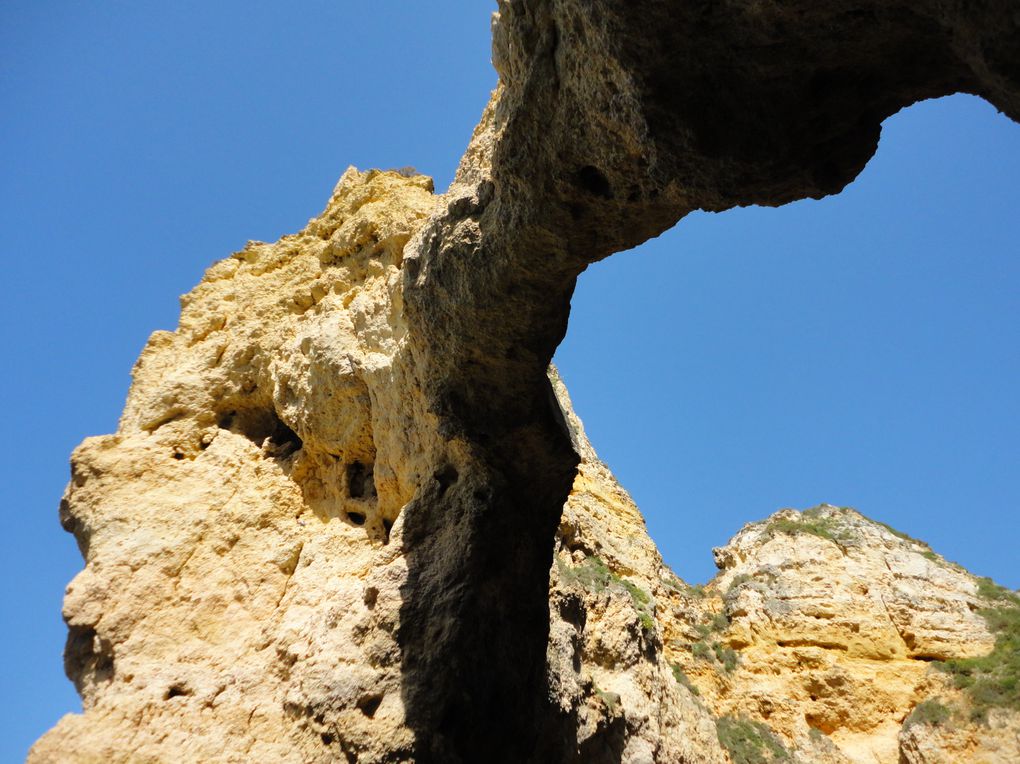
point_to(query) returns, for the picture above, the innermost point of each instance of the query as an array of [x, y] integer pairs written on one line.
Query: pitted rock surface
[[382, 378]]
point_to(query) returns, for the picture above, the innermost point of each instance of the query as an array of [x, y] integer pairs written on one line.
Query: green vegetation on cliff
[[750, 742], [993, 680], [594, 575], [931, 711]]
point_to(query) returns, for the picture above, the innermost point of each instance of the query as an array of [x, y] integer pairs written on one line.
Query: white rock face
[[893, 596]]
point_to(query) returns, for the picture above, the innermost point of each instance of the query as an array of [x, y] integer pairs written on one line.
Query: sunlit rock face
[[244, 538], [347, 512], [832, 628]]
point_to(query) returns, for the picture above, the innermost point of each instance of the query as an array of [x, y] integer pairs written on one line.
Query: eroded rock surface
[[326, 523], [830, 628], [244, 541], [246, 569]]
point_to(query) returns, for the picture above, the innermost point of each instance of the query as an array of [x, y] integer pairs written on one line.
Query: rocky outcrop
[[246, 572], [832, 629], [611, 122], [245, 538], [326, 524], [996, 740], [241, 589]]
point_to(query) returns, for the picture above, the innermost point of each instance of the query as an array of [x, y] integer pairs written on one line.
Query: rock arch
[[612, 121]]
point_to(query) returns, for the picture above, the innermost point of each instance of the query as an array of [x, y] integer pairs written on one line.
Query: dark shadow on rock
[[474, 621], [726, 104]]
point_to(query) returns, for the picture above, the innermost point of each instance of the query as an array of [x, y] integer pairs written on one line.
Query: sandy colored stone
[[994, 742], [325, 527], [835, 636], [243, 535], [245, 565]]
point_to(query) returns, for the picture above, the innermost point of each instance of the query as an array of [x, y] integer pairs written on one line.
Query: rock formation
[[833, 630], [326, 524], [246, 557]]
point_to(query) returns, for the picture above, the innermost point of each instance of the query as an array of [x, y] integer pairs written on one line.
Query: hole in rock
[[177, 691], [369, 704], [360, 484], [594, 181], [282, 437], [573, 611], [358, 518], [446, 476], [263, 428]]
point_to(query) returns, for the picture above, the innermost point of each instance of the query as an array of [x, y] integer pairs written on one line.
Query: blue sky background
[[860, 350]]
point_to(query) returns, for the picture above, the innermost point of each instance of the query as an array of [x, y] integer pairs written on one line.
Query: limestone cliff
[[244, 538], [325, 526], [848, 639], [246, 561]]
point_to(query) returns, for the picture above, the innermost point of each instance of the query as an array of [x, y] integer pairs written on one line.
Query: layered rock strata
[[836, 632]]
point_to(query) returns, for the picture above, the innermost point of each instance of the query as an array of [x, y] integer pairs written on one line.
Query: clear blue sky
[[860, 350]]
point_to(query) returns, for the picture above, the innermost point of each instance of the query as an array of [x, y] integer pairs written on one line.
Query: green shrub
[[594, 575], [989, 590], [682, 678], [642, 603], [907, 537], [737, 582], [930, 711], [823, 527], [717, 652], [814, 522], [701, 650], [993, 680], [646, 621], [726, 656], [673, 583], [719, 623], [637, 594], [750, 742], [895, 532]]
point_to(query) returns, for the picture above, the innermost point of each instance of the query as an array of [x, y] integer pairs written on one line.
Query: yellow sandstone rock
[[245, 571]]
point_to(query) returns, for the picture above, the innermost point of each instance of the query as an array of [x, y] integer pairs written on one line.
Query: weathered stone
[[836, 622], [366, 405]]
